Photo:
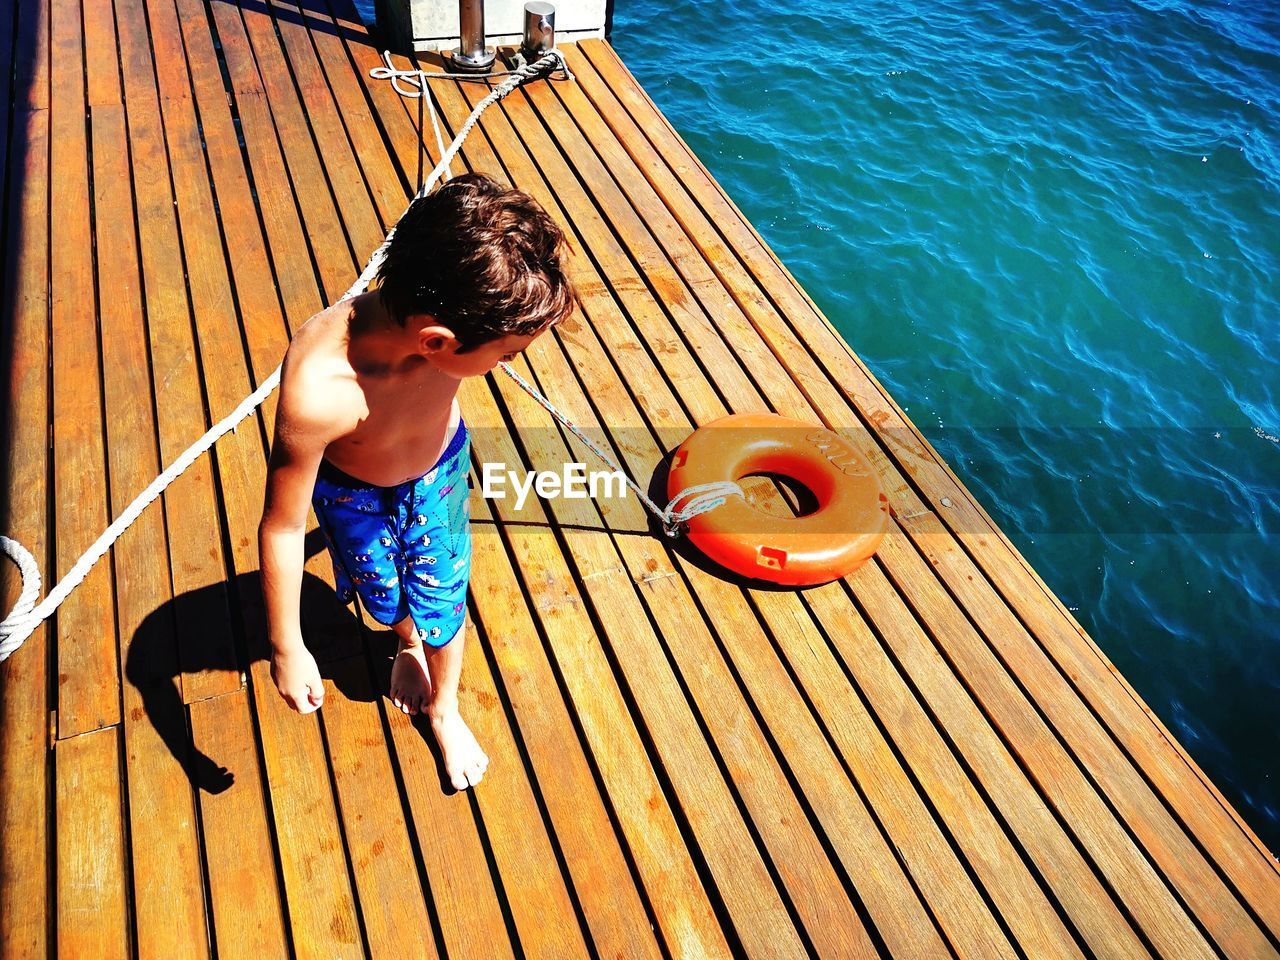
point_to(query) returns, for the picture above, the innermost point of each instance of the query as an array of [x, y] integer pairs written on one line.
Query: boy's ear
[[434, 337]]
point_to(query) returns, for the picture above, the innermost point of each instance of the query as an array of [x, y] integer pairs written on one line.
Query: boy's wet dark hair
[[483, 259]]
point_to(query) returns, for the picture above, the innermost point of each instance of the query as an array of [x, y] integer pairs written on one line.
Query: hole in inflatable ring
[[778, 495]]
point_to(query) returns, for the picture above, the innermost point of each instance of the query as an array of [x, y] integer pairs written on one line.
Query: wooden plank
[[671, 884], [295, 275], [403, 121], [8, 32], [1233, 846], [298, 179], [209, 660], [88, 671], [1134, 879], [166, 44], [206, 651], [996, 864], [382, 858], [102, 68], [532, 891], [816, 889], [1181, 864], [601, 876], [1171, 862], [25, 813], [321, 907], [31, 57], [647, 291], [905, 814], [1067, 876], [734, 355], [540, 901], [140, 556], [761, 917], [342, 110], [641, 804], [465, 903], [321, 904], [247, 917], [339, 172], [248, 920], [92, 878], [261, 325], [168, 888]]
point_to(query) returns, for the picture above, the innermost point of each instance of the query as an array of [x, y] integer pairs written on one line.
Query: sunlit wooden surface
[[929, 759]]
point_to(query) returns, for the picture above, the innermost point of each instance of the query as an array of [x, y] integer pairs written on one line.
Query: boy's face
[[440, 346]]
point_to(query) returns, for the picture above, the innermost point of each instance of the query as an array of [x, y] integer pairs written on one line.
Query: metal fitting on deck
[[539, 29], [471, 54]]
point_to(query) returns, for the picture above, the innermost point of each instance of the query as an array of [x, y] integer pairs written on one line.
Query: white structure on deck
[[433, 24]]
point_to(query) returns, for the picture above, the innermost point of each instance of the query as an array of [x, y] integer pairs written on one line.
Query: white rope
[[22, 610], [701, 497], [26, 614], [21, 623], [435, 125], [389, 72], [416, 77]]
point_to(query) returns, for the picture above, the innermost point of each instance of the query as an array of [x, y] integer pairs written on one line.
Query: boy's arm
[[302, 432]]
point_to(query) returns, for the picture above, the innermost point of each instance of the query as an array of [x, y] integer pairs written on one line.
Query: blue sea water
[[1052, 232]]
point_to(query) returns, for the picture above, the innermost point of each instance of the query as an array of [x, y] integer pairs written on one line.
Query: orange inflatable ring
[[818, 547]]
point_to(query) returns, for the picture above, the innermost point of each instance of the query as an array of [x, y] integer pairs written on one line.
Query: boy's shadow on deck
[[192, 633]]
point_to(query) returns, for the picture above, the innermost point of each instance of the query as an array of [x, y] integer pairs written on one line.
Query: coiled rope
[[27, 614]]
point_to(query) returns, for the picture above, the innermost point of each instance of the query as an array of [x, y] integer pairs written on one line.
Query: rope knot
[[701, 498]]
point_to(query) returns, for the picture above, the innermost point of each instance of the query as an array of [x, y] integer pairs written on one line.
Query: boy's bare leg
[[410, 679], [464, 761]]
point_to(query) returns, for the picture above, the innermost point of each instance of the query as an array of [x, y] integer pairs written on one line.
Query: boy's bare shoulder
[[319, 395]]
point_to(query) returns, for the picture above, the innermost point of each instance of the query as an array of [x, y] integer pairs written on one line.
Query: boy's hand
[[298, 679]]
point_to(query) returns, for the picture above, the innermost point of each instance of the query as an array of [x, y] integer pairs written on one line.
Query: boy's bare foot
[[464, 761], [410, 681]]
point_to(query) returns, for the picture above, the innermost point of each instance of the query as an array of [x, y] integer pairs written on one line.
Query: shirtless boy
[[368, 433]]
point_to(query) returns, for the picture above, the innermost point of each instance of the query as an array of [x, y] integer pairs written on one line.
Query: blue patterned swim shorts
[[405, 550]]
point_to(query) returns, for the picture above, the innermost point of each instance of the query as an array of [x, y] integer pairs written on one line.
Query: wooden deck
[[929, 759]]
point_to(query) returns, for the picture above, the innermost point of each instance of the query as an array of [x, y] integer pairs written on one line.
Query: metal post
[[472, 54], [539, 29]]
